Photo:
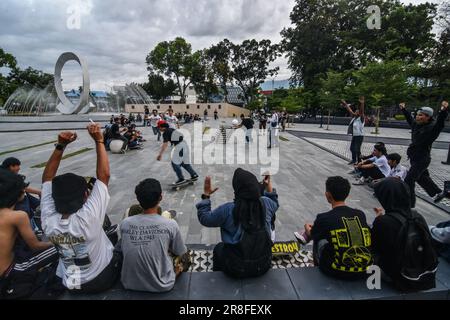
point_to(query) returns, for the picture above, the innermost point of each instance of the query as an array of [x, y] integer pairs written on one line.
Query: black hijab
[[248, 210], [394, 196]]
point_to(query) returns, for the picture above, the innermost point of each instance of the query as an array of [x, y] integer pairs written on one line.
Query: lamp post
[[321, 117]]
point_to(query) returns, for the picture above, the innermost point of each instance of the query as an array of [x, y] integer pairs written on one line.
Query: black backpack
[[417, 259], [251, 257]]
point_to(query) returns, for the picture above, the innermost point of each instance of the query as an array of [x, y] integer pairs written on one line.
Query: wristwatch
[[205, 197], [60, 146]]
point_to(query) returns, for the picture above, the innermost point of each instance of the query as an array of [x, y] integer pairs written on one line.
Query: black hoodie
[[424, 135], [393, 195]]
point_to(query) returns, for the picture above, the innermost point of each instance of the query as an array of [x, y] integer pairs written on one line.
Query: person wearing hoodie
[[394, 197], [424, 132], [245, 225]]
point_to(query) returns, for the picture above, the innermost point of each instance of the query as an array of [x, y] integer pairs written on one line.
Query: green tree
[[332, 35], [203, 77], [250, 62], [219, 58], [174, 59], [274, 100], [383, 83], [159, 88], [17, 77]]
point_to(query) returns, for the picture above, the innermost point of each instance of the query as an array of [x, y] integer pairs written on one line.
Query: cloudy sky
[[115, 36]]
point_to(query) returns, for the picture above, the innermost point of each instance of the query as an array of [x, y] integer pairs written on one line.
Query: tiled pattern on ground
[[202, 261], [438, 172]]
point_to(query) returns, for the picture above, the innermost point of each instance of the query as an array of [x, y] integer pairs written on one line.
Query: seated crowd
[[71, 245]]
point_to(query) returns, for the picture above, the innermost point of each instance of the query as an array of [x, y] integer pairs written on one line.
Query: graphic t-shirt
[[84, 248], [347, 251], [172, 121], [382, 164], [146, 242], [154, 120]]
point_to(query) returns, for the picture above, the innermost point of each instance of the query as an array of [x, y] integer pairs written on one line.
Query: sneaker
[[359, 182], [300, 238], [181, 181], [194, 178], [441, 197]]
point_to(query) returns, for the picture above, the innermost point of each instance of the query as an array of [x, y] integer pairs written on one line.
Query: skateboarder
[[424, 132], [180, 154]]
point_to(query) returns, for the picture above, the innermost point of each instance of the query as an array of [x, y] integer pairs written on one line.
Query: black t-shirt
[[173, 136], [347, 253], [115, 131], [248, 123]]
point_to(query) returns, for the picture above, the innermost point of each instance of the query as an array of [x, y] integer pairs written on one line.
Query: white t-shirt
[[274, 120], [154, 120], [399, 172], [382, 164], [358, 127], [172, 121], [84, 248]]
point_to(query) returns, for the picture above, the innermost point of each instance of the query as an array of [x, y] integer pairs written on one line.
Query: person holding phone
[[245, 224]]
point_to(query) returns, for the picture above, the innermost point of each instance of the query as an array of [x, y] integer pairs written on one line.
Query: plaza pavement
[[300, 182]]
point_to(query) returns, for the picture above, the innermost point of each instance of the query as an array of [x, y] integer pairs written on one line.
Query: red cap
[[161, 122]]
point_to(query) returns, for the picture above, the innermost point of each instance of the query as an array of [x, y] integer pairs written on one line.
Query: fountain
[[33, 101]]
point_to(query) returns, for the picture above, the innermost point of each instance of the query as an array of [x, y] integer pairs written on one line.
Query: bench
[[287, 284]]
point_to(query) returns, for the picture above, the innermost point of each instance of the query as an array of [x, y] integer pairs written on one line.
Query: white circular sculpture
[[116, 146], [66, 106]]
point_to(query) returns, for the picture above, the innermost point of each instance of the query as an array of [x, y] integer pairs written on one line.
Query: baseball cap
[[162, 124], [427, 111]]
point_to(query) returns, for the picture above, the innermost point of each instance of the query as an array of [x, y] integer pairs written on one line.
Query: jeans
[[419, 173], [157, 132], [273, 139], [248, 136], [122, 138], [187, 167], [355, 148]]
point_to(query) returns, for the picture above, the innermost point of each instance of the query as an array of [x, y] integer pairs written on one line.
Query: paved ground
[[300, 183], [341, 146]]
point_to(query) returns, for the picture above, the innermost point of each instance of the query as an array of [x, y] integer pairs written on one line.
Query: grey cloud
[[116, 35]]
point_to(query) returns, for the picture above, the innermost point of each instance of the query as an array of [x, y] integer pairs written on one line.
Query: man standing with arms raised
[[424, 132]]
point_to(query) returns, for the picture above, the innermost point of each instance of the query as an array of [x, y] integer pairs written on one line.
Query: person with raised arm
[[425, 130], [72, 218], [356, 129]]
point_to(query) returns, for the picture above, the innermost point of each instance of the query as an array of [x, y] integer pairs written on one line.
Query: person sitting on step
[[154, 253]]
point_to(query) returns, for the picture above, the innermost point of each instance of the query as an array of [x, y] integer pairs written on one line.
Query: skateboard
[[183, 185], [287, 248], [171, 214]]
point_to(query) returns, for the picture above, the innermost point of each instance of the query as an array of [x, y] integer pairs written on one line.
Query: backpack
[[417, 259], [251, 256]]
